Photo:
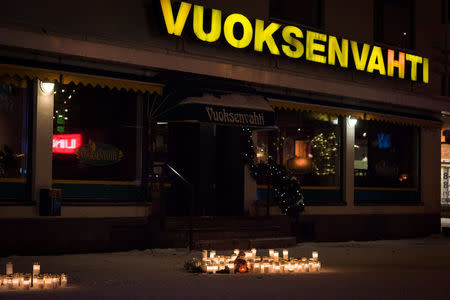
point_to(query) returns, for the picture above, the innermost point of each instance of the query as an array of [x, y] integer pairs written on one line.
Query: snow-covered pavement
[[398, 269]]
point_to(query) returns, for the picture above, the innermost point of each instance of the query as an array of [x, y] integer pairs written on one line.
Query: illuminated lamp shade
[[352, 121], [301, 162], [47, 87]]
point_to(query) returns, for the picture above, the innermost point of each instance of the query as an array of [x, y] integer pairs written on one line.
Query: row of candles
[[211, 262], [25, 281]]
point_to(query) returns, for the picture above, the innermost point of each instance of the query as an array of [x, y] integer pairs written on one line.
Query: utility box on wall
[[50, 202]]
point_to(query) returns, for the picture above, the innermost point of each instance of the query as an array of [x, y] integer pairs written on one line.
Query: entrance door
[[229, 169]]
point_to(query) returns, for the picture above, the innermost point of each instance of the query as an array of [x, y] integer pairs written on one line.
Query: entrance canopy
[[230, 109]]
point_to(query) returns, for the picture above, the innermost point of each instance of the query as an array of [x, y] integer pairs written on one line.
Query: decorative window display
[[97, 143], [307, 144]]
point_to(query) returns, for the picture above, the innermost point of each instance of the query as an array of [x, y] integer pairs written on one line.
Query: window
[[97, 143], [14, 100], [303, 12], [386, 162], [308, 144], [394, 23]]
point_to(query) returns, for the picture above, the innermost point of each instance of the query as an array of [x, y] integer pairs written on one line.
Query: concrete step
[[258, 243]]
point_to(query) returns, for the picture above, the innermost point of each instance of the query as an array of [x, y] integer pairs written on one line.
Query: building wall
[[103, 34]]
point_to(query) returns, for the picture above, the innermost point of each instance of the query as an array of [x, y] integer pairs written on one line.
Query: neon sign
[[240, 32], [66, 143]]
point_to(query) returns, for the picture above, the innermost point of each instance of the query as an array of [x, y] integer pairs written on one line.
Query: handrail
[[191, 204]]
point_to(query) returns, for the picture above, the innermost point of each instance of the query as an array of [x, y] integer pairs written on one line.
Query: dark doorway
[[229, 171], [210, 157]]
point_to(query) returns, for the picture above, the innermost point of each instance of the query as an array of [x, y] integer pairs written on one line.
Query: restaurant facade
[[115, 116]]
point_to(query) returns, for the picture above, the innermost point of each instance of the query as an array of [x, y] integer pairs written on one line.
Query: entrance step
[[258, 243], [223, 232]]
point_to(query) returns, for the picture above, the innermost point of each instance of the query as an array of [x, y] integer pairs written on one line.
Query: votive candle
[[285, 254]]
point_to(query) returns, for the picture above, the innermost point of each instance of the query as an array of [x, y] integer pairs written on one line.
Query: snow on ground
[[397, 269]]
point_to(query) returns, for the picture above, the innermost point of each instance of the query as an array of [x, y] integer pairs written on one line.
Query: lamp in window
[[301, 162]]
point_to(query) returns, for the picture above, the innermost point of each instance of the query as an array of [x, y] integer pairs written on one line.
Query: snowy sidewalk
[[400, 269]]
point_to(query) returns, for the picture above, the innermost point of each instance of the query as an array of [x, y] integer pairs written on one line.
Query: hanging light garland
[[286, 189]]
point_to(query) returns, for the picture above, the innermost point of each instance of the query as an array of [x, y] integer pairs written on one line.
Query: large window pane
[[14, 99], [386, 162], [308, 144], [97, 143]]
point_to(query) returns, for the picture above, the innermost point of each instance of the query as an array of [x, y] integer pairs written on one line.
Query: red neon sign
[[66, 143]]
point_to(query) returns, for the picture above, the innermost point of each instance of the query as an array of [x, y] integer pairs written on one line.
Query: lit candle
[[212, 254], [315, 255], [231, 267], [55, 281], [318, 266], [9, 282], [48, 281], [277, 268], [204, 254], [257, 267], [285, 254], [26, 283], [236, 252], [276, 255], [63, 280], [271, 252], [312, 265], [9, 268], [254, 252], [40, 281], [16, 281]]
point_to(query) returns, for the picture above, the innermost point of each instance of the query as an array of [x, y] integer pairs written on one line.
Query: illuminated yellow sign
[[294, 42]]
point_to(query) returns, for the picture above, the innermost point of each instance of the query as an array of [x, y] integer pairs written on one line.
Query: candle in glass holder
[[212, 253], [315, 255], [16, 281], [277, 268], [48, 281], [257, 267], [26, 283], [254, 252], [39, 282], [285, 254], [9, 268], [231, 267], [204, 254], [55, 281], [271, 253], [276, 255], [236, 252], [9, 282], [318, 266]]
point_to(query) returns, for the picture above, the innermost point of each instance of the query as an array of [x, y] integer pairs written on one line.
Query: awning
[[229, 109], [335, 111], [17, 75]]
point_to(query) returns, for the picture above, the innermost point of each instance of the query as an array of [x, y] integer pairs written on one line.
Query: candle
[[257, 267], [204, 254], [16, 281], [318, 266], [277, 268], [40, 282], [254, 252], [48, 281], [26, 283], [236, 252], [285, 254], [9, 268], [231, 267], [9, 282], [248, 254], [276, 255], [315, 255], [271, 252], [55, 281], [212, 254], [312, 265]]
